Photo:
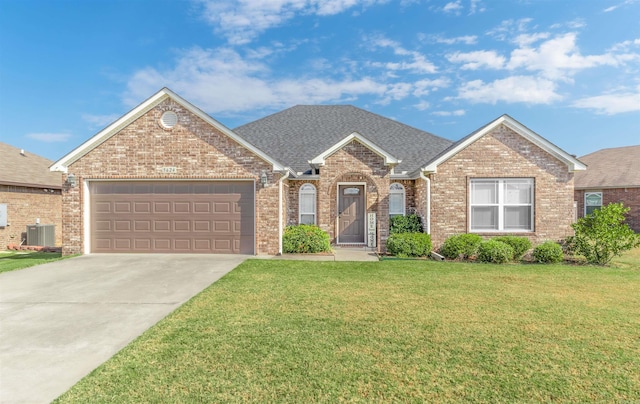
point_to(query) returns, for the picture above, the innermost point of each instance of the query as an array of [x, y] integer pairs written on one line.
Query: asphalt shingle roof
[[27, 169], [300, 133], [616, 167]]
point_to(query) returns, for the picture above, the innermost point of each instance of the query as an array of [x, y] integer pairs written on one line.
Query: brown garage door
[[172, 217]]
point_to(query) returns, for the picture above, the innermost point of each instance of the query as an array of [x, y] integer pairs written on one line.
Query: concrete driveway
[[59, 321]]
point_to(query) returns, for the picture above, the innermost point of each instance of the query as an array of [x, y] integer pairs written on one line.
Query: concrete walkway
[[338, 254], [61, 320]]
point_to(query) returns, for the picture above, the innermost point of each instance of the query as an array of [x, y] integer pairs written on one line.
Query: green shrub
[[461, 245], [305, 238], [409, 244], [604, 234], [519, 244], [495, 252], [548, 253], [405, 224]]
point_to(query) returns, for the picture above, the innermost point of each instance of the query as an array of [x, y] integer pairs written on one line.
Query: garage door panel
[[142, 207], [165, 217], [162, 207]]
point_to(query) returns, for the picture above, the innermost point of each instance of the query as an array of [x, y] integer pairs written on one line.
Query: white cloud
[[240, 21], [100, 121], [528, 39], [417, 63], [453, 7], [557, 57], [509, 28], [220, 81], [525, 89], [475, 7], [50, 137], [422, 105], [457, 112], [612, 104], [466, 39], [616, 6], [478, 59], [425, 86]]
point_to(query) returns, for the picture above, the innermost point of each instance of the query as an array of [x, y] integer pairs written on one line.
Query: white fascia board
[[151, 102], [572, 163], [388, 158]]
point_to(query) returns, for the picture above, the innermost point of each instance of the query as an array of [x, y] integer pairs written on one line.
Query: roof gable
[[143, 108], [303, 132], [573, 164], [319, 160]]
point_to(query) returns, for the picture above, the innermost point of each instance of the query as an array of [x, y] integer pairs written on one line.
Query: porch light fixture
[[71, 181], [264, 179]]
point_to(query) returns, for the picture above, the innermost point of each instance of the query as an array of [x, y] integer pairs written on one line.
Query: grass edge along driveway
[[14, 260], [297, 331]]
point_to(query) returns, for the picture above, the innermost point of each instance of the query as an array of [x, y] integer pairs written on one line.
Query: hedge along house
[[166, 177]]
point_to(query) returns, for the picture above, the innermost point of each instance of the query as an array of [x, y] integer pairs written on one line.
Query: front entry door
[[351, 214]]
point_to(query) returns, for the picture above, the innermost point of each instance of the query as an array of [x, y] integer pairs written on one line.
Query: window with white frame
[[307, 205], [592, 202], [501, 204], [396, 199]]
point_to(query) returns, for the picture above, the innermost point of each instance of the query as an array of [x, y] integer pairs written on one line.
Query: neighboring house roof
[[26, 169], [572, 162], [304, 132], [617, 167], [146, 106]]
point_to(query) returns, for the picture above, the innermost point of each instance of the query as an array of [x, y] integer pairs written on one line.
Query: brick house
[[613, 176], [29, 192], [166, 177]]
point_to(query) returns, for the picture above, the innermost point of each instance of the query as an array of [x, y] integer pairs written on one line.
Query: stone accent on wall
[[502, 153], [630, 197], [197, 151], [24, 206]]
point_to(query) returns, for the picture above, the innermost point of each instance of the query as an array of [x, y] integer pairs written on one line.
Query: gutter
[[280, 185], [428, 208]]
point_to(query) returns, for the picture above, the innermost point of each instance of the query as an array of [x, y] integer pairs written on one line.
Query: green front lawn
[[416, 331], [12, 260]]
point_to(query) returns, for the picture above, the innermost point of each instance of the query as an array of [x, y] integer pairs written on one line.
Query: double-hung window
[[396, 199], [592, 202], [307, 205], [501, 204]]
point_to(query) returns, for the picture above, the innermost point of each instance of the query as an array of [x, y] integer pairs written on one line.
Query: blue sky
[[568, 70]]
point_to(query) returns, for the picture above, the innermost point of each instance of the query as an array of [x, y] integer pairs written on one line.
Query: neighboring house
[[28, 192], [613, 176], [166, 177]]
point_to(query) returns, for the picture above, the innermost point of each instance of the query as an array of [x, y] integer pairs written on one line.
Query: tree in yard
[[603, 234]]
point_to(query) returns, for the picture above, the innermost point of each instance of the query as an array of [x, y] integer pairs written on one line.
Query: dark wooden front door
[[351, 214]]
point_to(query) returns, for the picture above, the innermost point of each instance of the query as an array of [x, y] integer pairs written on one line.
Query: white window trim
[[500, 204], [401, 191], [592, 193], [310, 190]]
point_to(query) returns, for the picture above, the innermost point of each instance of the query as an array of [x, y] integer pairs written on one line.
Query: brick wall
[[354, 163], [630, 197], [502, 154], [198, 150], [24, 205]]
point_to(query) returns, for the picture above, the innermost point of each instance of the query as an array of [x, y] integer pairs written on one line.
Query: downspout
[[280, 186], [428, 213]]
